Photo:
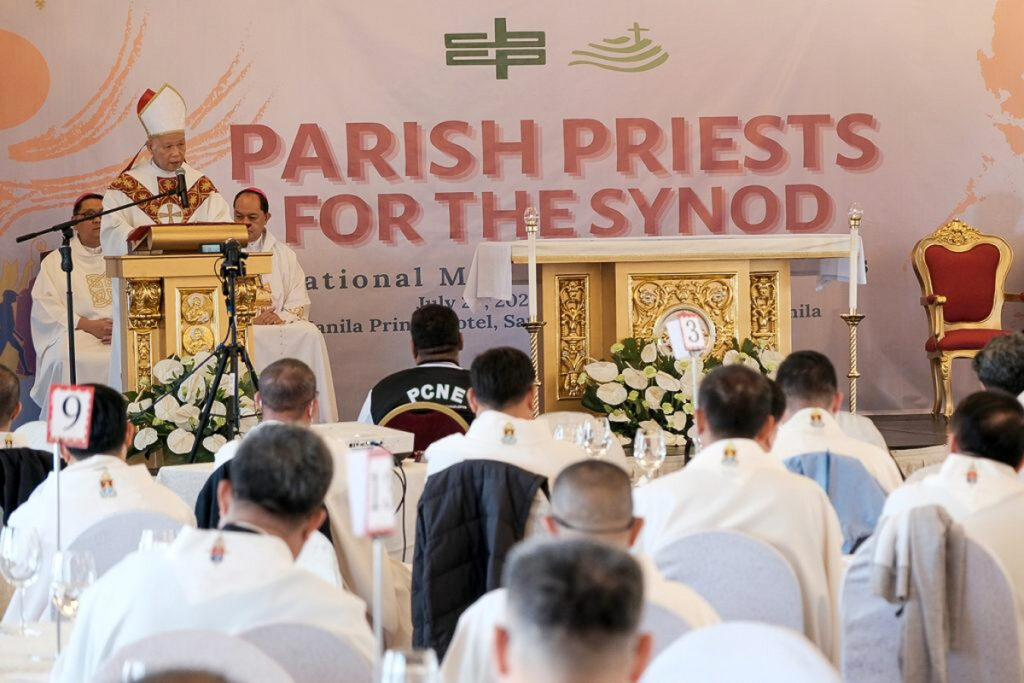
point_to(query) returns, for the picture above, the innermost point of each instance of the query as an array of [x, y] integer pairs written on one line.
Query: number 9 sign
[[70, 415]]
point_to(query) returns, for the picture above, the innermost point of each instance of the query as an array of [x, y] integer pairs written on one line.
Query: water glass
[[20, 557], [567, 430], [73, 572], [596, 436], [649, 449], [409, 666]]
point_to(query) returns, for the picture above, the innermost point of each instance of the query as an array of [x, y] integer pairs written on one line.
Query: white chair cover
[[664, 626], [872, 629], [741, 651], [743, 578], [209, 651], [111, 539], [310, 654], [35, 433]]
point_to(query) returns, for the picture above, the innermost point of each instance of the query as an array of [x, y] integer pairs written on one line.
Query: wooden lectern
[[596, 292], [170, 298]]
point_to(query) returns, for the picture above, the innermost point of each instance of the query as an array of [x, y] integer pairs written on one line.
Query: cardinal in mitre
[[91, 298], [162, 114]]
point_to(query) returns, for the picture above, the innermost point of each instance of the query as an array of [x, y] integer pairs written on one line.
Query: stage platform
[[915, 440]]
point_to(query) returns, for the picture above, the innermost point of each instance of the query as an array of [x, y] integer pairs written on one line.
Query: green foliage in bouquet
[[166, 412]]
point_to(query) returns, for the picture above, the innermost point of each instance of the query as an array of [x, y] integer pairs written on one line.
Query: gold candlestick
[[534, 327], [853, 319]]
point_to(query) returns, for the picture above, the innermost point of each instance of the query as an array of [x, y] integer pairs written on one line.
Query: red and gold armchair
[[962, 273]]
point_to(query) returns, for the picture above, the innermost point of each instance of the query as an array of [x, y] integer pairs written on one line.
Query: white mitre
[[162, 111]]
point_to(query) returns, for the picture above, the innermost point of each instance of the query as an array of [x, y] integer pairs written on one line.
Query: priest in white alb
[[978, 484], [96, 484], [734, 484], [92, 299], [281, 328], [162, 114]]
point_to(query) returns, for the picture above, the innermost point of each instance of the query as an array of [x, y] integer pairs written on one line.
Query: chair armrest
[[933, 307], [1012, 296]]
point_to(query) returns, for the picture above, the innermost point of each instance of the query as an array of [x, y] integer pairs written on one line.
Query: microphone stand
[[66, 264]]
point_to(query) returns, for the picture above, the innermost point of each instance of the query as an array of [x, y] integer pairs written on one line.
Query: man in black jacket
[[437, 377]]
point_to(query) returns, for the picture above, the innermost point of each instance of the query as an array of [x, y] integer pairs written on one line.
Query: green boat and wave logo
[[629, 53]]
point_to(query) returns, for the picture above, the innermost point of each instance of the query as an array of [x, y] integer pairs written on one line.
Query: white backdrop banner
[[393, 137]]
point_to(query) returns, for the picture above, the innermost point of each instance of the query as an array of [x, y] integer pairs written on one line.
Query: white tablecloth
[[301, 340], [16, 652], [187, 481]]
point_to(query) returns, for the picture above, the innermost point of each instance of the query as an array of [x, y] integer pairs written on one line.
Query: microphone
[[182, 188]]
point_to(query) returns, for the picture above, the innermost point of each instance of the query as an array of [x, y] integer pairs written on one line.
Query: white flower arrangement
[[166, 411], [643, 385]]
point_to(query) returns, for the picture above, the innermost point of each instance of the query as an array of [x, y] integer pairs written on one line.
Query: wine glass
[[596, 436], [73, 572], [156, 539], [409, 666], [567, 430], [649, 450], [20, 557]]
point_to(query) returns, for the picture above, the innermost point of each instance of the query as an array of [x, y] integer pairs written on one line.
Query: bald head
[[10, 401], [287, 391], [592, 499]]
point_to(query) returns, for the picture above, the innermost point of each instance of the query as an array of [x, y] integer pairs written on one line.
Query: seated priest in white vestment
[[437, 376], [591, 500], [96, 484], [10, 408], [1000, 365], [501, 395], [162, 115], [231, 579], [282, 301], [287, 395], [735, 484], [573, 614], [808, 379], [979, 483], [92, 299]]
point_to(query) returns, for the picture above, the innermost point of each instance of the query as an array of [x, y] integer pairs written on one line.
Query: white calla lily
[[649, 353], [731, 357], [618, 416], [772, 359], [180, 441], [214, 442], [653, 396], [145, 438], [602, 371], [167, 370], [666, 381], [193, 389], [167, 408], [136, 407], [184, 416], [635, 379], [612, 393]]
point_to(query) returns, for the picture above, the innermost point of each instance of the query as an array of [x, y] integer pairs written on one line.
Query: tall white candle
[[854, 269], [532, 242], [530, 218]]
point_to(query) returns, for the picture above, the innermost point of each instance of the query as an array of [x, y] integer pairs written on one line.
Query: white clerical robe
[[91, 489], [733, 484], [92, 297], [229, 581], [470, 654], [283, 290], [813, 430], [206, 205], [355, 555], [861, 428], [987, 498], [527, 444]]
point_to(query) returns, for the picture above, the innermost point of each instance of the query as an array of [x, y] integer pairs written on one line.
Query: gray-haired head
[[574, 609], [1000, 365], [282, 469], [593, 499], [287, 391]]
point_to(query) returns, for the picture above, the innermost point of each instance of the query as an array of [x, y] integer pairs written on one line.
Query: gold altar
[[173, 304], [596, 292]]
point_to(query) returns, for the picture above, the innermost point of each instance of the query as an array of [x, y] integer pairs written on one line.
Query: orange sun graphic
[[26, 79]]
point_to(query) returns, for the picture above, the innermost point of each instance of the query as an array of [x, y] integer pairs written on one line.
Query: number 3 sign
[[70, 418], [686, 333]]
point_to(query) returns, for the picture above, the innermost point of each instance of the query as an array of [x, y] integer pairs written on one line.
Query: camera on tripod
[[233, 266]]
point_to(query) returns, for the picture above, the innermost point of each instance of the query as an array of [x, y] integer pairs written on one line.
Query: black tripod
[[66, 264], [228, 350]]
